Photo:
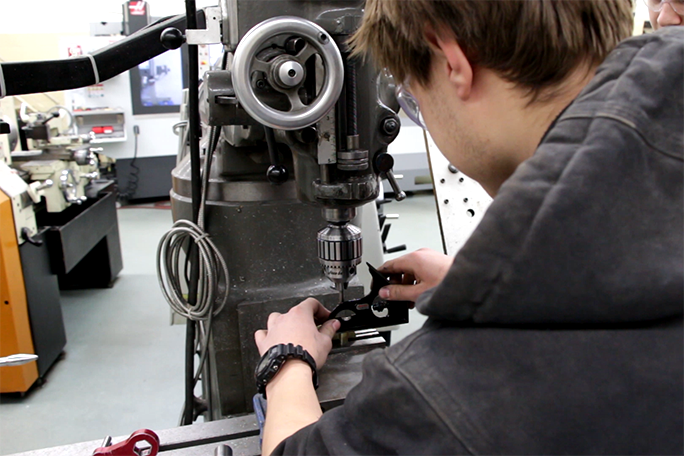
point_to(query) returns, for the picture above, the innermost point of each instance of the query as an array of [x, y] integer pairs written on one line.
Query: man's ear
[[452, 61]]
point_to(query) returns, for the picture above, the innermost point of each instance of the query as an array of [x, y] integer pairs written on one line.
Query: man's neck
[[524, 123]]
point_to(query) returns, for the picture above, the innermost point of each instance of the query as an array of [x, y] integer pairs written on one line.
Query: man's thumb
[[330, 327]]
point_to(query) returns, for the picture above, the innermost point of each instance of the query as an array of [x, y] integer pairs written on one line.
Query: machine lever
[[399, 195], [383, 164], [276, 173], [129, 447], [17, 360], [371, 311], [26, 235]]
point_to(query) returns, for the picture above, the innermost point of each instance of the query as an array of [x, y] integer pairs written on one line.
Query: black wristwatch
[[273, 360]]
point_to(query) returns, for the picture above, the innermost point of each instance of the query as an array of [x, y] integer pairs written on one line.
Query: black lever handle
[[172, 38], [26, 235], [383, 164], [276, 173]]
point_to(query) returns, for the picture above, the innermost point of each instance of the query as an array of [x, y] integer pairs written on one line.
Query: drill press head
[[339, 247], [335, 113]]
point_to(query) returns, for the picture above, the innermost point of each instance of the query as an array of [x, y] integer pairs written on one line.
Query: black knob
[[172, 38], [4, 128], [384, 162], [277, 174]]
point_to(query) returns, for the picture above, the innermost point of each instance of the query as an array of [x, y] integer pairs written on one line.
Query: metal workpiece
[[247, 61], [371, 311]]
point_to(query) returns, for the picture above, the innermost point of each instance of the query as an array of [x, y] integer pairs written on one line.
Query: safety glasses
[[410, 105], [657, 5], [407, 102]]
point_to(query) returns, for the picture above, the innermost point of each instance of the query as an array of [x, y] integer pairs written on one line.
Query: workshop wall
[[26, 47], [74, 16], [32, 30]]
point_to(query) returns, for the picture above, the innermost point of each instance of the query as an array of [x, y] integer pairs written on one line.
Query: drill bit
[[340, 289]]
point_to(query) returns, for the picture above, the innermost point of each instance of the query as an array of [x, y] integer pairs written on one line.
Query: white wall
[[74, 16], [32, 30], [640, 15]]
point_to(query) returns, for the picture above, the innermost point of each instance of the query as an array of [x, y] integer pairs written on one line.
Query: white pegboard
[[461, 201]]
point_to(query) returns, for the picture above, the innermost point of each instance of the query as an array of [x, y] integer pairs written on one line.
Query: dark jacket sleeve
[[383, 414]]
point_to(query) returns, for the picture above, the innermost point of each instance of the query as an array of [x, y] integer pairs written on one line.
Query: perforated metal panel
[[461, 201]]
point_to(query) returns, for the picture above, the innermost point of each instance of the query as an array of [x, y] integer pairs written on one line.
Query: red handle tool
[[128, 447]]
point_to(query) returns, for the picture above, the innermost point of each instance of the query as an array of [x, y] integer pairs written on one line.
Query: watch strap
[[277, 356]]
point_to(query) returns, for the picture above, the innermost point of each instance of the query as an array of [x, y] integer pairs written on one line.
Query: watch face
[[263, 364]]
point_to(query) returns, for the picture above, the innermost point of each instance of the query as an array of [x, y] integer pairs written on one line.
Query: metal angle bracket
[[210, 35]]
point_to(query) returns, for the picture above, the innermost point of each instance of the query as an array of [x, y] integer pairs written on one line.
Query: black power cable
[[134, 173], [51, 75], [196, 187]]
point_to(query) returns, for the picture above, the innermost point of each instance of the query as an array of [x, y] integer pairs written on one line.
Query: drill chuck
[[339, 251]]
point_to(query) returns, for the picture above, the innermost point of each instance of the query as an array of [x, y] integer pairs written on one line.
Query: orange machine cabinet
[[15, 327]]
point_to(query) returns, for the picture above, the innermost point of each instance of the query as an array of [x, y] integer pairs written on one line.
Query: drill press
[[297, 142]]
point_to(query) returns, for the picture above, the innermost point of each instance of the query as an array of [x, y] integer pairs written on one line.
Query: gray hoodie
[[558, 329]]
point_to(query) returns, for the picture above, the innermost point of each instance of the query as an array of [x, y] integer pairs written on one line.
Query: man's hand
[[421, 270], [292, 400], [298, 327]]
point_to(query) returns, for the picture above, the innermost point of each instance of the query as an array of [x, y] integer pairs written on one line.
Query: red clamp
[[129, 446]]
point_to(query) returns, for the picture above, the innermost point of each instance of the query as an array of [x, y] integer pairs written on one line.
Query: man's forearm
[[292, 404]]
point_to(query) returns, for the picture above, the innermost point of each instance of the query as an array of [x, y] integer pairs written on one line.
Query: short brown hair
[[535, 44]]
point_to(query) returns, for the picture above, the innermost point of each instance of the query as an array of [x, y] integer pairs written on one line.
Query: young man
[[558, 327]]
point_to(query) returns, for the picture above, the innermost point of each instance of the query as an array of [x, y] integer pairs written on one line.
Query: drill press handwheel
[[286, 73]]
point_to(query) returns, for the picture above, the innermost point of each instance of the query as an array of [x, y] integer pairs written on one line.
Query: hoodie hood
[[590, 229]]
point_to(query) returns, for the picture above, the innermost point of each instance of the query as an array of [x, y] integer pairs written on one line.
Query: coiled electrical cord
[[213, 272], [213, 280]]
